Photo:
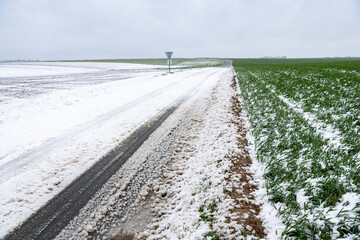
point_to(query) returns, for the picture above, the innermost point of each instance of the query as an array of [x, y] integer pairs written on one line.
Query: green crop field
[[305, 118]]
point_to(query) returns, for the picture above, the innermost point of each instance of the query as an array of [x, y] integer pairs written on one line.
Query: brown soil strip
[[246, 207]]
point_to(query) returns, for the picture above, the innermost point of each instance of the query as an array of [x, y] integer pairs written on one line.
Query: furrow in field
[[305, 123], [326, 131]]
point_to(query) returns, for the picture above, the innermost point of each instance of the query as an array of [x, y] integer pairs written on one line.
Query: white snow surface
[[202, 181], [269, 215], [49, 139], [301, 198], [345, 208], [30, 69], [327, 131]]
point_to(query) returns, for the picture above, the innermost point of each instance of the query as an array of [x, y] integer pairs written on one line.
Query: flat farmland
[[305, 122], [256, 149]]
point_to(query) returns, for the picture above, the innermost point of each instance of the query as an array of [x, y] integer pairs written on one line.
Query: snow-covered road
[[58, 124]]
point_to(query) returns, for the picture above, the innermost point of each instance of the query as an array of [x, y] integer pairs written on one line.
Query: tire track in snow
[[14, 166], [49, 220]]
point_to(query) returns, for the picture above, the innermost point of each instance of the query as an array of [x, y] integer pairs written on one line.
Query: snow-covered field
[[305, 123], [58, 119], [30, 69]]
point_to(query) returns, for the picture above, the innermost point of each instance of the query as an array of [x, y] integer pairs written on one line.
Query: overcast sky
[[88, 29]]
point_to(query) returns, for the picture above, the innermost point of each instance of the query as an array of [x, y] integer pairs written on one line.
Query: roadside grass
[[305, 117], [179, 62]]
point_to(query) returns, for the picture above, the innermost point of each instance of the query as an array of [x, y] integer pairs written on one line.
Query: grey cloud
[[64, 29]]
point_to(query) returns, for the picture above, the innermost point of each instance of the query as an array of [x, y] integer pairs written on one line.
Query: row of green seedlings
[[207, 211], [207, 215], [298, 160], [330, 94]]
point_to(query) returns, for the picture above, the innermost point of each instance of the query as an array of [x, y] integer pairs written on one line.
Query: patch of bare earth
[[242, 191]]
